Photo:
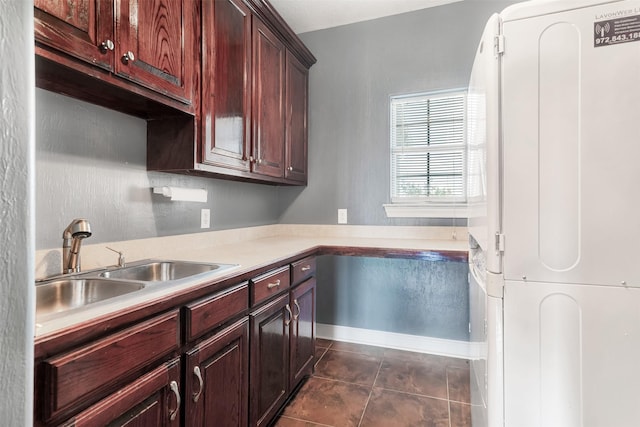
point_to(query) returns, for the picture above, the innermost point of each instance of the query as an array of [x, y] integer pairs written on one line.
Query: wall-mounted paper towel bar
[[182, 194]]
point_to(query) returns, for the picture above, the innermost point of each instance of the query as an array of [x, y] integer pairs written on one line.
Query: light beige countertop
[[250, 248]]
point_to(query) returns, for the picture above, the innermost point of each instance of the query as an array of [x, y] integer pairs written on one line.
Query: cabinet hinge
[[499, 242], [499, 44]]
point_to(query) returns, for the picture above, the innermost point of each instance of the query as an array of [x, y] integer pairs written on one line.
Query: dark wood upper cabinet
[[151, 43], [297, 99], [268, 107], [80, 28], [155, 46], [226, 80], [221, 83]]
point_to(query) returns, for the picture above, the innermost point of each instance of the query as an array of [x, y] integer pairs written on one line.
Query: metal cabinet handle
[[106, 46], [128, 56], [297, 316], [306, 268], [290, 168], [196, 372], [273, 285], [174, 388], [288, 321]]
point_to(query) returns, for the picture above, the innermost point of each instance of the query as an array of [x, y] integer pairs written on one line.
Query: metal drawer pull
[[274, 285], [306, 268], [286, 322], [297, 316], [174, 388], [196, 372]]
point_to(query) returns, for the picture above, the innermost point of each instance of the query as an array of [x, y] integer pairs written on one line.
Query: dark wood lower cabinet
[[231, 358], [303, 331], [153, 400], [282, 349], [217, 379], [269, 360]]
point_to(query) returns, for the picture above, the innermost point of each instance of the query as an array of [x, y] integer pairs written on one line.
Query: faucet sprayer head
[[78, 229], [72, 238]]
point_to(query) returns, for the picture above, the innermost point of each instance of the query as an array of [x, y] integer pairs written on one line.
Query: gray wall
[[359, 66], [16, 209], [91, 163]]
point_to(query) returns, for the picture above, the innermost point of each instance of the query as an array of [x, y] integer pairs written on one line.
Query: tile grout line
[[306, 421], [446, 372], [408, 393], [371, 391]]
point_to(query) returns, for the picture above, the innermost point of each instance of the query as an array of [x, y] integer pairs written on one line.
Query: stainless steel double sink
[[62, 294]]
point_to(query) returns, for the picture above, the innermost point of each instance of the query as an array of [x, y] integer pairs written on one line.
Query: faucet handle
[[121, 262]]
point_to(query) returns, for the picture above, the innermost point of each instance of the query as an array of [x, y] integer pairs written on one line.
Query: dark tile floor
[[363, 386]]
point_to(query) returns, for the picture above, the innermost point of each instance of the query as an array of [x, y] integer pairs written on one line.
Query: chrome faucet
[[71, 240]]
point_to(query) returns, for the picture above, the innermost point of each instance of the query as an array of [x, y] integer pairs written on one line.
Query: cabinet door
[[296, 111], [217, 379], [78, 28], [268, 102], [303, 306], [155, 45], [226, 83], [269, 360], [151, 401]]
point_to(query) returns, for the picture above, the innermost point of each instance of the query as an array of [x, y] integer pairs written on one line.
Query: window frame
[[428, 206]]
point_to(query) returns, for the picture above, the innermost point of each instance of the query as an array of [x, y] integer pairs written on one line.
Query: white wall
[[16, 212]]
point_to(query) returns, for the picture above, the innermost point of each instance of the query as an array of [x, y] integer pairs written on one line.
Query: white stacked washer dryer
[[554, 187]]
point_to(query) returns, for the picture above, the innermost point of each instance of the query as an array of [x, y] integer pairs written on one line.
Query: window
[[428, 166]]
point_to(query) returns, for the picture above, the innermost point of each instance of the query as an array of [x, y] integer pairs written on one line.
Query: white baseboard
[[419, 344]]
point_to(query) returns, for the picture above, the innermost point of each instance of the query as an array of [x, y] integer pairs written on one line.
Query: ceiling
[[310, 15]]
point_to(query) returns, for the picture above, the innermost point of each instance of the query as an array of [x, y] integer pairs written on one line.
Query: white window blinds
[[428, 148]]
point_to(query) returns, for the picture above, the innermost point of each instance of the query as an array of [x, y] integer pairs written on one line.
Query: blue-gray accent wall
[[415, 297]]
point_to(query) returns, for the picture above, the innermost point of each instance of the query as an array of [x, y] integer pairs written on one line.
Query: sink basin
[[162, 271], [66, 294]]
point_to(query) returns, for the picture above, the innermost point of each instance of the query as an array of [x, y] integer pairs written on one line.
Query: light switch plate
[[205, 218], [342, 216]]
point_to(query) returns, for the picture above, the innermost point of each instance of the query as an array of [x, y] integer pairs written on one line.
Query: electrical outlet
[[342, 216], [205, 218]]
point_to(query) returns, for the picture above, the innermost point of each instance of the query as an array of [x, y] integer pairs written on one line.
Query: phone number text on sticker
[[616, 31]]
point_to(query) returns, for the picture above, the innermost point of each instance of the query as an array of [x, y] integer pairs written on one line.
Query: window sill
[[407, 210]]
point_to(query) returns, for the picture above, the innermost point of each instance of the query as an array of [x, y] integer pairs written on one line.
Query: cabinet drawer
[[81, 373], [270, 284], [150, 400], [303, 269], [209, 313]]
